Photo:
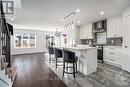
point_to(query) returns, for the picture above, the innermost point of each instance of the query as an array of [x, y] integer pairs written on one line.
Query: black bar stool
[[69, 58], [58, 55], [51, 52]]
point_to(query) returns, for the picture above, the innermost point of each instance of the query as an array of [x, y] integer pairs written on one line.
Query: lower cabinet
[[113, 55]]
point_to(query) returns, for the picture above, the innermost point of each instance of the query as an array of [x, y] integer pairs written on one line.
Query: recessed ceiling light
[[78, 22], [101, 13], [78, 10], [62, 20], [12, 19]]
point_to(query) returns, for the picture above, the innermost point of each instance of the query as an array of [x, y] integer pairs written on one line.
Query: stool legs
[[66, 67], [56, 63], [74, 69], [49, 58], [63, 69]]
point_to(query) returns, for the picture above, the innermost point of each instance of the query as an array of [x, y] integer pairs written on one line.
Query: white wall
[[40, 42]]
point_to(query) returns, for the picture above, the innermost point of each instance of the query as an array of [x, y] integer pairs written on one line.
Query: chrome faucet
[[73, 42]]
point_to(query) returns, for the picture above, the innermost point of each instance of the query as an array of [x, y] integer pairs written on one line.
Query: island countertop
[[87, 58], [77, 48], [81, 48]]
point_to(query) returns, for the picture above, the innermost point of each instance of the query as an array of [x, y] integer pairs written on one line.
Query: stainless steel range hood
[[100, 26]]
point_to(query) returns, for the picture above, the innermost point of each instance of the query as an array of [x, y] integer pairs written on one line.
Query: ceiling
[[47, 14]]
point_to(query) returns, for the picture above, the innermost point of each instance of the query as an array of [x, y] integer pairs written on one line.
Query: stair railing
[[4, 36]]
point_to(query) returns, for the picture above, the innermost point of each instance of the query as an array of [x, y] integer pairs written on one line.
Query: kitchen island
[[87, 58]]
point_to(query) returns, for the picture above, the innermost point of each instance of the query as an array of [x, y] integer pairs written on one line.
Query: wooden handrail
[[7, 28]]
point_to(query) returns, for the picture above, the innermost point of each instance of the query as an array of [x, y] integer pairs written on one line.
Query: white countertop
[[77, 48], [81, 48]]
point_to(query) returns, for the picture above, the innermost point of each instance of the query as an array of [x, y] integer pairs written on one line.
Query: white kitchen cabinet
[[115, 26], [126, 40], [113, 55], [86, 31]]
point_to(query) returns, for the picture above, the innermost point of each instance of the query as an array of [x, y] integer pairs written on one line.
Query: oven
[[100, 53]]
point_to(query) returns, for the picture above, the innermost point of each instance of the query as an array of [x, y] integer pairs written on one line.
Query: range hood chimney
[[100, 26]]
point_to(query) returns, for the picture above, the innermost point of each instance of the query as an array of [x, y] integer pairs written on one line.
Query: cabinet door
[[82, 32], [115, 26], [119, 26], [89, 30], [127, 42], [110, 27], [86, 31], [113, 54]]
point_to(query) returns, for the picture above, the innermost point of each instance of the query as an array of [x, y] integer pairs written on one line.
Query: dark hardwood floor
[[33, 72]]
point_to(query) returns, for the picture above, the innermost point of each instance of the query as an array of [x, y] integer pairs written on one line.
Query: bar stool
[[58, 55], [69, 58], [51, 52]]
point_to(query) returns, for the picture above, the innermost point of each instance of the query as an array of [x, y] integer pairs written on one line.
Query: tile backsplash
[[87, 41], [115, 41], [110, 41]]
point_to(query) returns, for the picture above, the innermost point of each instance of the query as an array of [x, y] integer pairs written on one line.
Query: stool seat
[[51, 52], [69, 58], [58, 55]]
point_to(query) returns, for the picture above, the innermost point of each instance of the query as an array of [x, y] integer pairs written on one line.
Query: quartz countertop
[[77, 48], [81, 48]]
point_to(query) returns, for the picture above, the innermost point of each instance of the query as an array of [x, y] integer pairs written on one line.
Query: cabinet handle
[[111, 53], [115, 35], [126, 46], [111, 48], [112, 60]]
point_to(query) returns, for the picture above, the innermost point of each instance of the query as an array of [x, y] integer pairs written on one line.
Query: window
[[23, 40]]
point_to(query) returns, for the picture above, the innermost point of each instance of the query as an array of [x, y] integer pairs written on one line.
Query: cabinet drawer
[[113, 59], [113, 50], [106, 50], [119, 52], [119, 61], [107, 57]]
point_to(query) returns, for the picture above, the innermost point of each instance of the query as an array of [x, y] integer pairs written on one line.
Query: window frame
[[22, 47]]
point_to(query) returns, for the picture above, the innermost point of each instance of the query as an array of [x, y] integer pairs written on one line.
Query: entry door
[[127, 42]]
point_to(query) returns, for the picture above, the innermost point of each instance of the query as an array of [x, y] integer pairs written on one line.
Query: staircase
[[7, 72]]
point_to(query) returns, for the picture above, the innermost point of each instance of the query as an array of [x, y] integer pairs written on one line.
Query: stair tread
[[12, 72], [8, 70], [4, 65], [2, 57]]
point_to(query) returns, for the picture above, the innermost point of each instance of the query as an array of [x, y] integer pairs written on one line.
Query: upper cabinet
[[86, 31], [115, 26]]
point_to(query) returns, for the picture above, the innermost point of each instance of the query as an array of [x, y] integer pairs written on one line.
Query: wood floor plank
[[33, 72]]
